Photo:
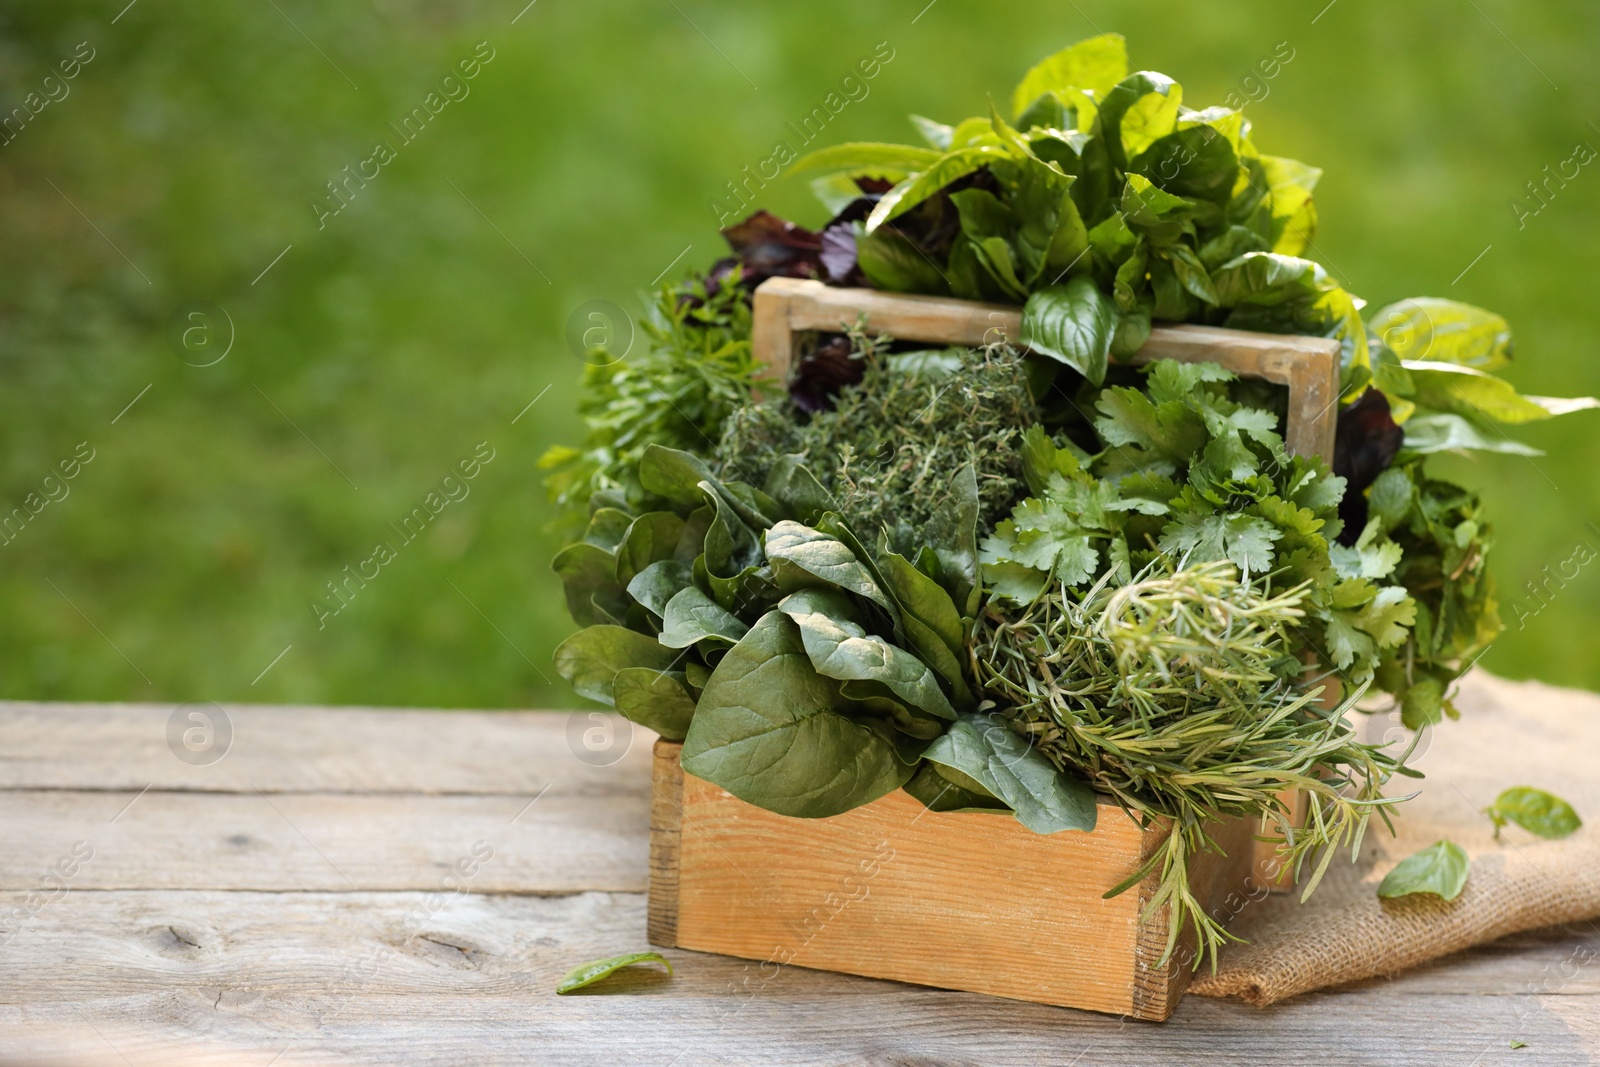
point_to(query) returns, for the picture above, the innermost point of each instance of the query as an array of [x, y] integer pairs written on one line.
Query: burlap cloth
[[1510, 733]]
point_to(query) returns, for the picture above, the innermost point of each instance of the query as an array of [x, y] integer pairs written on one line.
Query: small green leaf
[[804, 556], [658, 583], [654, 699], [1518, 1044], [914, 190], [1440, 869], [589, 973], [1536, 811]]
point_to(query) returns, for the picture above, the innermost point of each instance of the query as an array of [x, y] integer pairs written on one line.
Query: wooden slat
[[1309, 366], [321, 750], [188, 977], [565, 842]]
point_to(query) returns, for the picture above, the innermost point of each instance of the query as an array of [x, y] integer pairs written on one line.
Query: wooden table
[[380, 886]]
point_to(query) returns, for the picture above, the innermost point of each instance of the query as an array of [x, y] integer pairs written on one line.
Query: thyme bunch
[[1176, 694]]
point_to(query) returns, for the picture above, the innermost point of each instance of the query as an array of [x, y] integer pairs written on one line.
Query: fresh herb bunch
[[886, 448], [1106, 204], [697, 370], [1176, 692]]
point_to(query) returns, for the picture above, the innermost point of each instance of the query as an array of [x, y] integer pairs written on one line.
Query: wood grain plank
[[321, 750], [176, 977], [564, 842]]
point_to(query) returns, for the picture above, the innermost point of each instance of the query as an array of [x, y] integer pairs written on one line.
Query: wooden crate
[[967, 901], [964, 901]]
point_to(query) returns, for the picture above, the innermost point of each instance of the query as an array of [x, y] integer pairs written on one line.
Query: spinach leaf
[[938, 790], [651, 537], [1005, 765], [774, 732], [655, 699], [591, 658], [840, 648], [692, 618], [658, 583], [1440, 869], [953, 536], [1535, 811], [589, 973], [802, 556], [589, 580]]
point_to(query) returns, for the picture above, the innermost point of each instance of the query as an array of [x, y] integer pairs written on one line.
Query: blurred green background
[[419, 321]]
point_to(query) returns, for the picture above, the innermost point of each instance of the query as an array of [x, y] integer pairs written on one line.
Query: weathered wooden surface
[[166, 947]]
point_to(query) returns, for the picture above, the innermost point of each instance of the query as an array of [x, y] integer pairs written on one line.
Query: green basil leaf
[[590, 973], [1429, 432], [1473, 393], [840, 648], [914, 190], [867, 157], [1536, 811], [590, 659], [1096, 64], [771, 731], [1444, 331], [655, 699], [984, 749], [1440, 869], [1072, 323], [937, 134], [891, 261], [1140, 110]]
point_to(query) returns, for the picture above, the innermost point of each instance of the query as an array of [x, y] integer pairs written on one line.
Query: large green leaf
[[1444, 331], [1438, 432], [868, 157], [658, 583], [590, 659], [589, 580], [891, 261], [1470, 392], [803, 556], [654, 699], [674, 474], [984, 749], [948, 790], [792, 484], [1095, 64], [769, 730], [692, 618], [651, 538], [914, 190], [1440, 869], [1140, 110], [841, 648], [1072, 323], [924, 599]]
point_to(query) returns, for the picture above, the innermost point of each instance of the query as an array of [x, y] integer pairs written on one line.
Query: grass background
[[422, 319]]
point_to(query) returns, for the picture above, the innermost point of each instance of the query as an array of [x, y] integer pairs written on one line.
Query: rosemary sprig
[[1175, 694]]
